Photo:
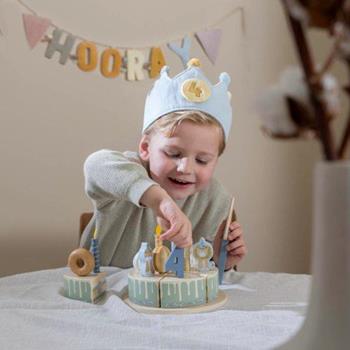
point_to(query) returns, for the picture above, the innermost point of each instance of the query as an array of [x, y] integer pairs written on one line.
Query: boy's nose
[[184, 166]]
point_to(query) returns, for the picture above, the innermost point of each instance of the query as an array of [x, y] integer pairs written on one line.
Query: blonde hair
[[169, 122]]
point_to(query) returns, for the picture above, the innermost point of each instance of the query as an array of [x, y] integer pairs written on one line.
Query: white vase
[[327, 322]]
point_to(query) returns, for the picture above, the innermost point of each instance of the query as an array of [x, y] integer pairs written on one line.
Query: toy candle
[[187, 258], [160, 252], [95, 249]]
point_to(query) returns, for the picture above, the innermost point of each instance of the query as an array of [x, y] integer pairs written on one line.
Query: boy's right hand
[[170, 217], [178, 227]]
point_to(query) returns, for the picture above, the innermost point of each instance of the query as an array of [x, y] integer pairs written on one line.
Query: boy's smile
[[183, 163]]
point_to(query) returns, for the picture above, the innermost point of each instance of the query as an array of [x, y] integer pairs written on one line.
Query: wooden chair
[[84, 220]]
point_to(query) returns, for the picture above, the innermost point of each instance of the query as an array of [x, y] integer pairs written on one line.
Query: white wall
[[53, 116]]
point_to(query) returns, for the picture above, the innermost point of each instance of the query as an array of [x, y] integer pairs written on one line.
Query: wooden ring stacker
[[81, 261]]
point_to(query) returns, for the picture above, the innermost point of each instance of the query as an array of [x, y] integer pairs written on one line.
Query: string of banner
[[112, 62]]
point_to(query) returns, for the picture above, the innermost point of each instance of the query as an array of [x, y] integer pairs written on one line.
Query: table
[[262, 311]]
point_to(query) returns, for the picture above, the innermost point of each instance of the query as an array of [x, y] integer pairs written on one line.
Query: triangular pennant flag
[[184, 51], [210, 42], [35, 28]]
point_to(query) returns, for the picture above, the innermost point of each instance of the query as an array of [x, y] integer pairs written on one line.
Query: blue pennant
[[184, 51]]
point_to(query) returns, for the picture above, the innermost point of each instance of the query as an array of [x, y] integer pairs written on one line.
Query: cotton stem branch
[[346, 136], [330, 59], [345, 140], [314, 85]]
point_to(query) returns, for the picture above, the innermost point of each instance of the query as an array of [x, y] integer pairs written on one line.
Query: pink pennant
[[35, 28], [210, 42]]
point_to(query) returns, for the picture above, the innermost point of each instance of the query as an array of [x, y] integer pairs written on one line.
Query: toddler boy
[[170, 180]]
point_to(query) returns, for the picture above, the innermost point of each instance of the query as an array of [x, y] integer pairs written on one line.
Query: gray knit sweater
[[115, 182]]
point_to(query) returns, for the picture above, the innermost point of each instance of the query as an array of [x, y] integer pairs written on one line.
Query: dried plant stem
[[345, 141], [330, 59], [314, 85]]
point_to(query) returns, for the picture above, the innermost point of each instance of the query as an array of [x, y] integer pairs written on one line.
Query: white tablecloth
[[262, 311]]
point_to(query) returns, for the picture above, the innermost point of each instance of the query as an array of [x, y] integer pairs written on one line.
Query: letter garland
[[89, 57]]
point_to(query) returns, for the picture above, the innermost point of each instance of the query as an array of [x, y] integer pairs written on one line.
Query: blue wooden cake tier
[[168, 291]]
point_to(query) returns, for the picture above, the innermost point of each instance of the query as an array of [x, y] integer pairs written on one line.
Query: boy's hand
[[178, 227], [170, 217], [236, 248]]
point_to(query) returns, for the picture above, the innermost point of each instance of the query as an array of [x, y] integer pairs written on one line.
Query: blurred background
[[53, 116]]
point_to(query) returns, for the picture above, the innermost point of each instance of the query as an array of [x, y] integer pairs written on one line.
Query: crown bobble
[[194, 62]]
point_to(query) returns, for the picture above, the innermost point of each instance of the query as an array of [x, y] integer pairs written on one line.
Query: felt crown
[[189, 90]]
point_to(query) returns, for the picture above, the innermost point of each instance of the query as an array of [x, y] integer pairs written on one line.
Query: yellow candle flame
[[95, 233], [158, 230]]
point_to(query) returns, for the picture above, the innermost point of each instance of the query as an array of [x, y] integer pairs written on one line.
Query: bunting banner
[[35, 28], [134, 64], [182, 51], [210, 42]]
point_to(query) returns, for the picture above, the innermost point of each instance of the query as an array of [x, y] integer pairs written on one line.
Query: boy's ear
[[144, 147]]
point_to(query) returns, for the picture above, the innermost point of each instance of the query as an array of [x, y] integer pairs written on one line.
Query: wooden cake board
[[211, 306]]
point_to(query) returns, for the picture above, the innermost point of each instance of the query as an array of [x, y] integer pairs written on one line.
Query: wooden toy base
[[211, 306]]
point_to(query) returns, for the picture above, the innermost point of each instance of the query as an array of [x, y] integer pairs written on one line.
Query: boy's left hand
[[236, 248]]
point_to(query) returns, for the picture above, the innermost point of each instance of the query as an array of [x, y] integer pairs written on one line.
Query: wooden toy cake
[[85, 282], [184, 278]]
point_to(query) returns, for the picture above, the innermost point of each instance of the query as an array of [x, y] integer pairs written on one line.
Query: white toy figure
[[202, 252], [143, 260]]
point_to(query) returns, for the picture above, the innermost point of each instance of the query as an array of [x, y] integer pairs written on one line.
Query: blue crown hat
[[189, 90]]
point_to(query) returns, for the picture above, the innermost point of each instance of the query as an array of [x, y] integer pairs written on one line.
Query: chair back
[[84, 220]]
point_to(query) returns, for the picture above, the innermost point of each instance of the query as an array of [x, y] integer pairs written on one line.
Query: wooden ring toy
[[81, 262]]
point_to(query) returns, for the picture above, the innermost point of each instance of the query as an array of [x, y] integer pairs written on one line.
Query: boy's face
[[184, 163]]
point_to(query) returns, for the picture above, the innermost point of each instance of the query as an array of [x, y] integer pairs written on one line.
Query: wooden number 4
[[175, 262]]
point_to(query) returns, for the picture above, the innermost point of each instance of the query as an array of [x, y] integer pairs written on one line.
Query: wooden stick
[[229, 218]]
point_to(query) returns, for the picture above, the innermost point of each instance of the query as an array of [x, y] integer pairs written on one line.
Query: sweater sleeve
[[111, 175]]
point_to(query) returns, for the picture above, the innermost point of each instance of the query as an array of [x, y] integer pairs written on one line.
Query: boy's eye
[[201, 161], [172, 155]]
